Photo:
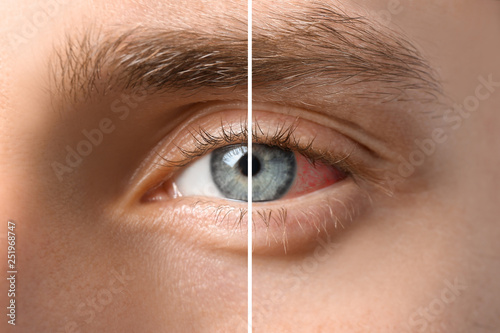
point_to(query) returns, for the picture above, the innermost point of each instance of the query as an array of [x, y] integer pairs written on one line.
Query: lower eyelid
[[286, 226], [291, 225], [211, 224]]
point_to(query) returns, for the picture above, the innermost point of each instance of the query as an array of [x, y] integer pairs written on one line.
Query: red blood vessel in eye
[[312, 177]]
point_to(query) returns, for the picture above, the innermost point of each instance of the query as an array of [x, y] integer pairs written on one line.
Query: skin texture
[[420, 255]]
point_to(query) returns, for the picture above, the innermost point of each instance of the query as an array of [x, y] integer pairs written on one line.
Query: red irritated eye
[[311, 177]]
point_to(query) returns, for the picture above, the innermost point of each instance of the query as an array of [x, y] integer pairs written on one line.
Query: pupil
[[243, 165]]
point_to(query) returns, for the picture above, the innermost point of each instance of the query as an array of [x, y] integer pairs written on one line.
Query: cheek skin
[[72, 275]]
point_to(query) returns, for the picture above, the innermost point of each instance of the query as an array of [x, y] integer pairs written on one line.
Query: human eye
[[280, 169], [308, 179]]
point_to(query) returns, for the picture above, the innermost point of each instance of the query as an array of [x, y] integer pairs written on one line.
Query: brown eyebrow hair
[[318, 46], [94, 62], [321, 45]]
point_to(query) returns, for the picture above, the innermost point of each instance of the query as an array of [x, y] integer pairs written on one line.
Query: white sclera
[[196, 180]]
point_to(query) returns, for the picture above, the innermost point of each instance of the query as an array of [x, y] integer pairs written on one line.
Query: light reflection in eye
[[277, 173]]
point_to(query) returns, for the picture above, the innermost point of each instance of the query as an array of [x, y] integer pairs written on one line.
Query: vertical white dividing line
[[250, 133]]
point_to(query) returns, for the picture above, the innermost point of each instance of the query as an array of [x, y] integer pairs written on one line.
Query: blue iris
[[273, 171]]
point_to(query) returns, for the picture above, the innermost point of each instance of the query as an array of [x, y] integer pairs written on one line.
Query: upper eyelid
[[81, 61], [206, 142], [281, 136]]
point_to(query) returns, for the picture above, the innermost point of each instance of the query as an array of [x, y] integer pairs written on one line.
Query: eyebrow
[[320, 46], [94, 63]]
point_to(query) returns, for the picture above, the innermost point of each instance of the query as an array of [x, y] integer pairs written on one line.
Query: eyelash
[[282, 137]]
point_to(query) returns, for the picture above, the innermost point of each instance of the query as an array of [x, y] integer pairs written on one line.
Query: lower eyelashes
[[289, 226]]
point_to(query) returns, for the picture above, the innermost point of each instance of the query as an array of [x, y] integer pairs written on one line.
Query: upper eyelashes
[[281, 163], [282, 136]]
